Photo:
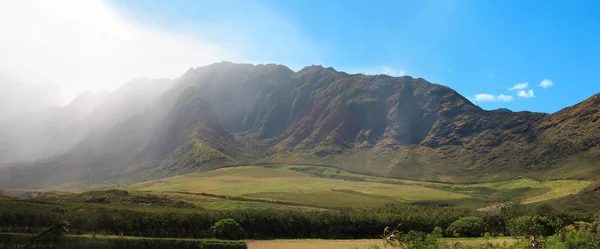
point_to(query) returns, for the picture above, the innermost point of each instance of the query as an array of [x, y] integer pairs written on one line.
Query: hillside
[[401, 127]]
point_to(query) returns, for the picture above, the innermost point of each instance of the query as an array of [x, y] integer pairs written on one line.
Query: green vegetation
[[470, 226], [32, 216], [535, 225], [327, 187], [227, 229], [580, 235]]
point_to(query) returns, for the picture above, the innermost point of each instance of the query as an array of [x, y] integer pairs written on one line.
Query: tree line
[[29, 216]]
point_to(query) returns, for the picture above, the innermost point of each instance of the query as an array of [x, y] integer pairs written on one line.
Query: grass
[[310, 187], [225, 204], [361, 244], [328, 187], [158, 201], [478, 241], [297, 187]]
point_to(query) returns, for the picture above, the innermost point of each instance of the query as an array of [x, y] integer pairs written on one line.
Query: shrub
[[227, 229], [581, 235], [535, 225], [470, 226], [417, 240]]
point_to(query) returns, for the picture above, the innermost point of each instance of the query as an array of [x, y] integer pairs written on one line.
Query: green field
[[326, 187]]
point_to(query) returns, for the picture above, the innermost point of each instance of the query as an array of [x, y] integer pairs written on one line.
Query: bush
[[416, 240], [535, 225], [470, 226], [581, 235], [227, 229]]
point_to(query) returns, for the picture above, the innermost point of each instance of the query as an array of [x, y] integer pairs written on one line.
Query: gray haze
[[28, 135], [17, 97]]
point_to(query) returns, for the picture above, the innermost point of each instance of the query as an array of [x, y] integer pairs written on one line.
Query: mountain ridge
[[404, 127]]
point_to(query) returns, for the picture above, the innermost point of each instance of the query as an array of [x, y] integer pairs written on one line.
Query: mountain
[[228, 113]]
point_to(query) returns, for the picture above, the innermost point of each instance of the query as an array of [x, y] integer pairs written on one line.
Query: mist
[[74, 46]]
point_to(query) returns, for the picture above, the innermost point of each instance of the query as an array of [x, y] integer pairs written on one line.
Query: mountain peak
[[314, 68]]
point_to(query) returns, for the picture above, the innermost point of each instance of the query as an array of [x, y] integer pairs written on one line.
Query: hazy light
[[79, 45]]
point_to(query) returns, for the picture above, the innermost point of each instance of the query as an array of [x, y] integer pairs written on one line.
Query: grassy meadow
[[326, 187]]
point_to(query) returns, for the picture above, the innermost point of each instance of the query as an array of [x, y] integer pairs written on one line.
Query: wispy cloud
[[391, 71], [492, 75], [519, 86], [503, 97], [526, 94], [486, 97], [546, 83], [450, 70], [374, 70]]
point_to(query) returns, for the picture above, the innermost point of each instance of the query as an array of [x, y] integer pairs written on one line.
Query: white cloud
[[88, 45], [375, 70], [503, 97], [526, 94], [546, 83], [519, 86], [486, 97], [391, 71]]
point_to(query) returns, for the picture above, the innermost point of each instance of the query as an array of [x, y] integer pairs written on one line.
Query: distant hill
[[228, 113]]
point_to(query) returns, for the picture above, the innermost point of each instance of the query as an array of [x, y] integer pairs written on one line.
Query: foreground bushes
[[16, 241], [580, 235]]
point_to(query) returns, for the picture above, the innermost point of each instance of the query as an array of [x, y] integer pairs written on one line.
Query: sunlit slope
[[329, 187]]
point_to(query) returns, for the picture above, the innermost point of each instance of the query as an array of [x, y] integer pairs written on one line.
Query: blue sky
[[482, 49]]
